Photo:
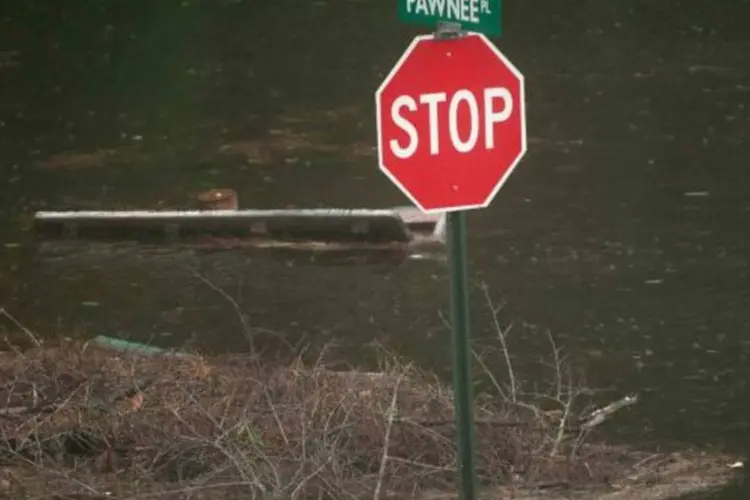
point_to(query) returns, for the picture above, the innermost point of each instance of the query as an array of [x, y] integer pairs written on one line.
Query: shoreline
[[97, 422]]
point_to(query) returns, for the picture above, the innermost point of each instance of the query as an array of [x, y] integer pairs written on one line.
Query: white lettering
[[491, 117], [405, 125], [438, 7], [455, 10], [474, 11], [482, 117], [432, 101], [461, 146]]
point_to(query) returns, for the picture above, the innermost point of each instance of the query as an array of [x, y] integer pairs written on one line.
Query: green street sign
[[482, 16]]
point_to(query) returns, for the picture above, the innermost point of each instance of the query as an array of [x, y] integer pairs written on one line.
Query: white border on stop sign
[[522, 87]]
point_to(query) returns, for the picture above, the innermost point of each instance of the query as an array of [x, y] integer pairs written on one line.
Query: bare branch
[[237, 309], [29, 334], [502, 334], [386, 441]]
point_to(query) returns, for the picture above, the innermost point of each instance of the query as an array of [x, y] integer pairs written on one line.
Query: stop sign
[[451, 122]]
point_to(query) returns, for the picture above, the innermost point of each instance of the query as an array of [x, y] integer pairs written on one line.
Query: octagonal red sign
[[451, 122]]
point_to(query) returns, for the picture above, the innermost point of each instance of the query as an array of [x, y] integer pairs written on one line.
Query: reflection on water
[[634, 107]]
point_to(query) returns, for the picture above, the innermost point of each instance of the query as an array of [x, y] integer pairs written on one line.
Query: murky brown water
[[623, 232]]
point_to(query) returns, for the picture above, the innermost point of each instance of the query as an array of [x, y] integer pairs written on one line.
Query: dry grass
[[85, 420]]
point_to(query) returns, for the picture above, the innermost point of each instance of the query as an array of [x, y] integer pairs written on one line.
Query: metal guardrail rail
[[401, 226]]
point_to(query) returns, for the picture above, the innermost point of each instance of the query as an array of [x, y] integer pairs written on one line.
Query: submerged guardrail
[[398, 227]]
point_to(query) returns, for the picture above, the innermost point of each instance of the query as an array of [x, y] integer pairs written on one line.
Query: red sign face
[[451, 122]]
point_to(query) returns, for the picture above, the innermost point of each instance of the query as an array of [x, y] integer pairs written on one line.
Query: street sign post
[[451, 128], [481, 16]]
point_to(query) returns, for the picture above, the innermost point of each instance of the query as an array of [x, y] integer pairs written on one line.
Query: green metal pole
[[462, 384]]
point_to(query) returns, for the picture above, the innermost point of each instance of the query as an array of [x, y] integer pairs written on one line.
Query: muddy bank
[[81, 420]]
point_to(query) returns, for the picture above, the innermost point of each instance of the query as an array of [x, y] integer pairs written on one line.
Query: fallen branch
[[596, 417]]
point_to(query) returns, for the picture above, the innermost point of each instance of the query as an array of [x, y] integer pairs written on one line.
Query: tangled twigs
[[270, 430], [232, 427], [564, 394]]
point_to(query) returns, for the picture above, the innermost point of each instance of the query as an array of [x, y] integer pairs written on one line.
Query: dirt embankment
[[84, 422]]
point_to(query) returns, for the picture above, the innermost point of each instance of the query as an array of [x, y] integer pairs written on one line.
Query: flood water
[[623, 232]]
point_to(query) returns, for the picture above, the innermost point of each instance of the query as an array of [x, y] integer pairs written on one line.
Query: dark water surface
[[624, 231]]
